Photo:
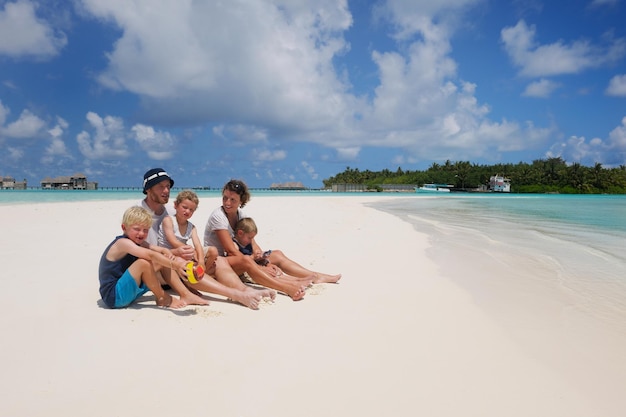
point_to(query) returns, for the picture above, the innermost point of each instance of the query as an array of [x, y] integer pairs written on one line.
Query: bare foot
[[326, 278], [296, 291], [177, 303], [267, 293], [249, 299], [170, 302], [264, 292], [298, 295], [194, 299]]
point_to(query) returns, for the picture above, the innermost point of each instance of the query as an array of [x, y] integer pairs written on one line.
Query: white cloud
[[599, 3], [57, 147], [542, 88], [27, 126], [578, 149], [158, 145], [413, 88], [9, 84], [269, 156], [617, 86], [617, 140], [23, 34], [275, 67], [4, 112], [15, 154], [609, 152], [348, 153], [535, 60], [309, 170], [58, 129], [275, 78], [417, 16], [240, 134], [108, 140]]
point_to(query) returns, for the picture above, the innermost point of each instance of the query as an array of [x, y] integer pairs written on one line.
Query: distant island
[[552, 175]]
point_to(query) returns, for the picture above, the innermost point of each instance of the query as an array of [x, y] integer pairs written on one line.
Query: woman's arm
[[257, 252], [263, 259], [226, 240]]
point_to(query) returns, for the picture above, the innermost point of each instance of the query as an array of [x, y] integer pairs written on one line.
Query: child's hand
[[186, 252], [262, 258], [180, 266], [210, 257]]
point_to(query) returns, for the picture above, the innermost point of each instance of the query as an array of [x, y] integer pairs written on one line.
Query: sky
[[280, 91]]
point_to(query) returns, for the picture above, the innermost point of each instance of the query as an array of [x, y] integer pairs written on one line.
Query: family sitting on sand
[[153, 253]]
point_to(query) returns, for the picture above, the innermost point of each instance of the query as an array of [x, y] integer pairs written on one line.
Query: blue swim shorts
[[127, 291]]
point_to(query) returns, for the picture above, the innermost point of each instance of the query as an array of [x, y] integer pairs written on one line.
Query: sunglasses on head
[[235, 185]]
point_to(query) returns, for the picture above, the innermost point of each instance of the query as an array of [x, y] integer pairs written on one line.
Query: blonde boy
[[128, 264], [176, 231]]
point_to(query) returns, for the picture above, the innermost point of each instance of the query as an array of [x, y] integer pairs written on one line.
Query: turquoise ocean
[[576, 244], [56, 196]]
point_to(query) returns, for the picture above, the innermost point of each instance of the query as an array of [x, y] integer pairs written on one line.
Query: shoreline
[[396, 336]]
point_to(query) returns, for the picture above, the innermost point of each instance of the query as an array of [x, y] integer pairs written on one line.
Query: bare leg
[[326, 278], [291, 267], [229, 285], [173, 280], [142, 271], [250, 299], [276, 272], [284, 283], [225, 274]]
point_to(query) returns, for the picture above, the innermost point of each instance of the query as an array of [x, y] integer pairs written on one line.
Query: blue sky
[[298, 90]]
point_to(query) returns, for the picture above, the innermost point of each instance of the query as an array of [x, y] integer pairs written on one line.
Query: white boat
[[441, 188]]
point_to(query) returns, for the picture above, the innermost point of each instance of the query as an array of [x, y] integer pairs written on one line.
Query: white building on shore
[[499, 184]]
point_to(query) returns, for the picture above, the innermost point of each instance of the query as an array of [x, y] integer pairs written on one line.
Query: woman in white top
[[282, 273]]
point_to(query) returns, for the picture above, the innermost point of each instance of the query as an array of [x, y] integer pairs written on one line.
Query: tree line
[[551, 175]]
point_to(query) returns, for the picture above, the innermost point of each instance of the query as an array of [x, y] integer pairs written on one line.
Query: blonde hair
[[187, 195], [137, 215], [246, 225]]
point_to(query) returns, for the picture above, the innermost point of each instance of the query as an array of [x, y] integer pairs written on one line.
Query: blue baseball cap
[[155, 176]]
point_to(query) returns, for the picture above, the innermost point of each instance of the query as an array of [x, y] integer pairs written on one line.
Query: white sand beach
[[396, 337]]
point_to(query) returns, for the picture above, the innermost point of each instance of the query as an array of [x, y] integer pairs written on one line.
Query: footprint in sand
[[266, 302], [205, 312], [316, 289]]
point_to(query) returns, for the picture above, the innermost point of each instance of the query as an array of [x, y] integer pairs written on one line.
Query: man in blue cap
[[156, 186]]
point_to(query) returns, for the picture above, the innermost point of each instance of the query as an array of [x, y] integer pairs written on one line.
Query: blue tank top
[[110, 272]]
